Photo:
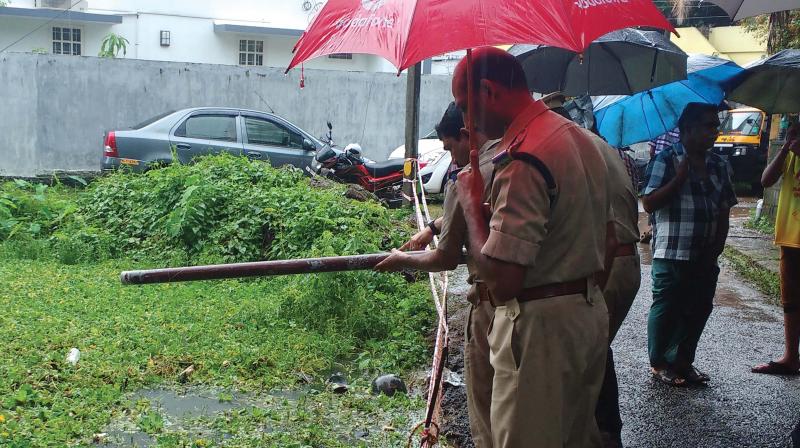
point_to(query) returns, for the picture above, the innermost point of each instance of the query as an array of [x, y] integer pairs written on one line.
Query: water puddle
[[185, 410], [730, 296], [176, 406]]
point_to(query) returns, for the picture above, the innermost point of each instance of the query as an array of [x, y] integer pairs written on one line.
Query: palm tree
[[680, 9]]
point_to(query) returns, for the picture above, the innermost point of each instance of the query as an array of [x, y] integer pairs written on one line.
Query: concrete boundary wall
[[54, 109]]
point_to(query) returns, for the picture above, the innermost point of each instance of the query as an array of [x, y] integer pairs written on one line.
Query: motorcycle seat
[[385, 168]]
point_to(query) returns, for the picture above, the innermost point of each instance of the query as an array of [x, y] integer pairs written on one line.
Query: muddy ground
[[455, 422]]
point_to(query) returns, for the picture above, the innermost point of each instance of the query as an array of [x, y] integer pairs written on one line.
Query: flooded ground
[[737, 408], [206, 416], [184, 410]]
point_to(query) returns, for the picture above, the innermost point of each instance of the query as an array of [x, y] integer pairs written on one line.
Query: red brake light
[[110, 149]]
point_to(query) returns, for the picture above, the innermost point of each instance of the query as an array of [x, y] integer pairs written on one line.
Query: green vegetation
[[61, 252], [765, 280], [780, 30], [763, 224], [112, 45]]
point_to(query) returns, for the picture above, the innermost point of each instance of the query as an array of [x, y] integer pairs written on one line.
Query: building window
[[341, 56], [67, 41], [165, 38], [251, 52]]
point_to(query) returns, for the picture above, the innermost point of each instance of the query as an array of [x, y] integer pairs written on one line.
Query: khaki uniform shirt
[[454, 228], [556, 242], [624, 200]]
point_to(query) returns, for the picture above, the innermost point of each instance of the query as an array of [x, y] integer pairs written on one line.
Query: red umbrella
[[408, 31]]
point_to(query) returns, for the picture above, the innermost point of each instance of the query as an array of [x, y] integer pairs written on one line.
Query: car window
[[209, 127], [265, 132], [152, 120]]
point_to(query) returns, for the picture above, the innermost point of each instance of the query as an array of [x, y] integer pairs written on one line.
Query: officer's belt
[[538, 292], [625, 250], [552, 290]]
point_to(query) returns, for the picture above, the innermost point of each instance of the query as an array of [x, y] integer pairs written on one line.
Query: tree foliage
[[112, 45], [779, 30]]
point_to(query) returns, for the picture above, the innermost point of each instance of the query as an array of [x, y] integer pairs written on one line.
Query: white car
[[437, 162]]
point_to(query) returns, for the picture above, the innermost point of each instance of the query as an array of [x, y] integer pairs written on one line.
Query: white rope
[[439, 301]]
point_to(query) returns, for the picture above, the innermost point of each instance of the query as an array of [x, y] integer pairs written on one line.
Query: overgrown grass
[[763, 224], [766, 281], [60, 258]]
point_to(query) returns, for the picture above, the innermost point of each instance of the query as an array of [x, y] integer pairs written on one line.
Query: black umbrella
[[771, 84], [622, 62], [739, 9]]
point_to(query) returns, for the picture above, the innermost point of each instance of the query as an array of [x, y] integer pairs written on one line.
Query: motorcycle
[[384, 179]]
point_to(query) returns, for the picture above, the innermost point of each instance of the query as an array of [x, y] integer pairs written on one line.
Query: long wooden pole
[[255, 269]]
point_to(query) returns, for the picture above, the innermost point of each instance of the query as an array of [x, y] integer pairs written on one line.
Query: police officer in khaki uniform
[[621, 286], [453, 236], [538, 253], [624, 276]]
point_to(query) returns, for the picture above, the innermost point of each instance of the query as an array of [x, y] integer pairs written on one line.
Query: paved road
[[737, 409]]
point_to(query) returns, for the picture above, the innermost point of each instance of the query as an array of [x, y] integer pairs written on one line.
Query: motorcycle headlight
[[431, 157], [740, 150]]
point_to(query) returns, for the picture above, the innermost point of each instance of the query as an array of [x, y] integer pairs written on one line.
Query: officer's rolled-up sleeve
[[454, 228], [520, 214]]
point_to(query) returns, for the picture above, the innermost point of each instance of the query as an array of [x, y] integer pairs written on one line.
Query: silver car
[[209, 130]]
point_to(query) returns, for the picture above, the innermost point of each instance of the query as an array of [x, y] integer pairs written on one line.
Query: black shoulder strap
[[530, 159]]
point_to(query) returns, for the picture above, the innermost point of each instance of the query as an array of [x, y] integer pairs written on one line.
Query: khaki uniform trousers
[[619, 294], [478, 371], [549, 360], [620, 291]]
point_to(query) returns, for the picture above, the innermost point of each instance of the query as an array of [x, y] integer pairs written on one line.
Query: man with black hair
[[690, 194], [538, 252], [478, 372]]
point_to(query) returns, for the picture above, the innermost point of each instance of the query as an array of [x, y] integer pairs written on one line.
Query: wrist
[[432, 227]]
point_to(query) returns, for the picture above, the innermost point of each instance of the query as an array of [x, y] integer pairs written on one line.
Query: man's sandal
[[668, 377], [695, 376], [775, 368]]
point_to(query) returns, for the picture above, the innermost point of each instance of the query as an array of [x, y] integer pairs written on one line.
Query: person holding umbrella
[[690, 194], [787, 235], [538, 252]]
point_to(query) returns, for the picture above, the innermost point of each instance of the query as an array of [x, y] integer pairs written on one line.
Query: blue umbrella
[[626, 120]]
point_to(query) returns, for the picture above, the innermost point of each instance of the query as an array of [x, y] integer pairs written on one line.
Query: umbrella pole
[[470, 125]]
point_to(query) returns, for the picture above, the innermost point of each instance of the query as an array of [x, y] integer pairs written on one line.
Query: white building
[[233, 32]]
